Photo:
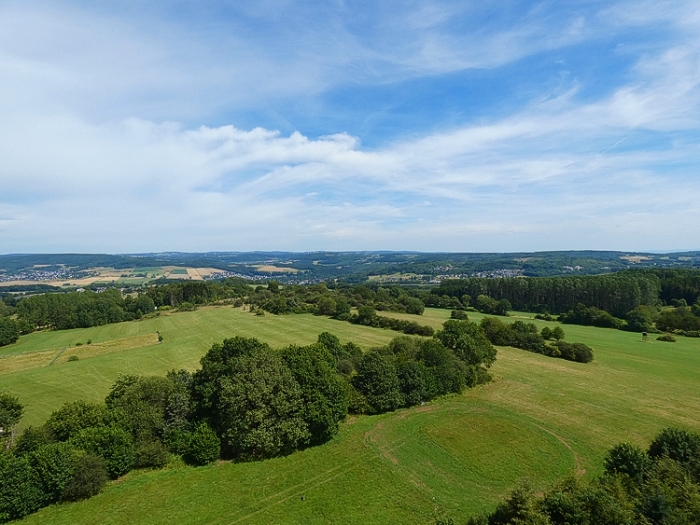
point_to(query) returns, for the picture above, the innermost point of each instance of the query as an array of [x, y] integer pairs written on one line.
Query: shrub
[[88, 477], [151, 455], [31, 439], [53, 465], [20, 490], [73, 358], [73, 417], [204, 446], [378, 381], [625, 458], [113, 444], [578, 352], [666, 337], [459, 315]]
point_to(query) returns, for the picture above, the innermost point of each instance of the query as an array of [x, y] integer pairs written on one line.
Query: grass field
[[541, 418]]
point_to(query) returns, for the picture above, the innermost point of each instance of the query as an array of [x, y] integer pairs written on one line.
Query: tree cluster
[[657, 486], [80, 309], [526, 336], [615, 293], [246, 402]]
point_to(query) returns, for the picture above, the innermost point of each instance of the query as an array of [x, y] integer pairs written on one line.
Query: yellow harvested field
[[275, 269]]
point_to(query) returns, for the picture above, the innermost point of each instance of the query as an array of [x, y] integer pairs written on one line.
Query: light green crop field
[[541, 419]]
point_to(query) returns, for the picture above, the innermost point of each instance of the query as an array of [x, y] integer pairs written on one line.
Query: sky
[[463, 126]]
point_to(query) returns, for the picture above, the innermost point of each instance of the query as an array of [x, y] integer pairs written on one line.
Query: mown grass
[[541, 418]]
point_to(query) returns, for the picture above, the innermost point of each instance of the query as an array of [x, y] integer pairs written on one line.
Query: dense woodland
[[247, 402]]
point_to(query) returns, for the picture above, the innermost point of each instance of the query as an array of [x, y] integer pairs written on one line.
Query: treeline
[[246, 402], [615, 293], [657, 486], [526, 336]]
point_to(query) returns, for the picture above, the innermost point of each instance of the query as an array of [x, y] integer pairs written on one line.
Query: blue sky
[[136, 126]]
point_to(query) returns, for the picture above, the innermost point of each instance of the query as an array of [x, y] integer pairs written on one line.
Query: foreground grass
[[541, 418]]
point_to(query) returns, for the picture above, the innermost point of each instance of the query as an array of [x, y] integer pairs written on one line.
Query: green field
[[541, 419]]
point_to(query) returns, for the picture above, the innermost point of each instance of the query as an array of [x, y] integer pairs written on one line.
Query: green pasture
[[541, 419]]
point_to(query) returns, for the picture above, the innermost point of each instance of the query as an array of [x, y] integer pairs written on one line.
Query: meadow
[[541, 418]]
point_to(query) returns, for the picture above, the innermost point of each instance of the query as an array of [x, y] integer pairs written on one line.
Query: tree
[[73, 417], [9, 331], [11, 411], [20, 489], [325, 398], [378, 381], [89, 475], [625, 458], [250, 398], [204, 446], [139, 404], [113, 444], [470, 344], [53, 465]]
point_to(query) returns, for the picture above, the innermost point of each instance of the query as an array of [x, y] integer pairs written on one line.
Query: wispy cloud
[[105, 144]]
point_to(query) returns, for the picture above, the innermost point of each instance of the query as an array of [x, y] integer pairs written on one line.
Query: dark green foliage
[[615, 293], [203, 447], [679, 445], [469, 343], [89, 475], [416, 382], [32, 439], [460, 315], [378, 381], [627, 459], [578, 352], [681, 318], [590, 316], [113, 444], [447, 373], [139, 404], [53, 465], [641, 319], [178, 403], [325, 399], [667, 338], [249, 396], [150, 455], [73, 417], [520, 508], [488, 305], [20, 488], [11, 411], [9, 331]]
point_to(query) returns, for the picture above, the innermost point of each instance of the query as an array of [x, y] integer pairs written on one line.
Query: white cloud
[[89, 164]]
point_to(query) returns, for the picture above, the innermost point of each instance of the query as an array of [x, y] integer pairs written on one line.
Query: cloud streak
[[98, 155]]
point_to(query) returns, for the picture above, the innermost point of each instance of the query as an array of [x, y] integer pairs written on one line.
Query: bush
[[574, 351], [88, 477], [9, 331], [666, 337], [20, 490], [53, 465], [73, 417], [113, 444], [73, 358], [204, 446], [31, 439], [625, 458], [460, 315], [151, 455]]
